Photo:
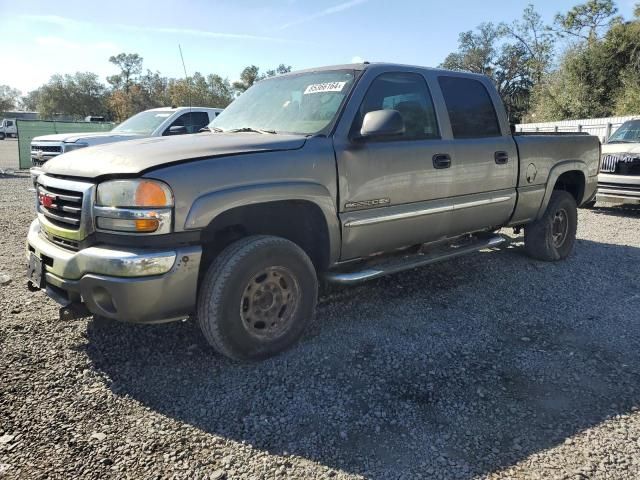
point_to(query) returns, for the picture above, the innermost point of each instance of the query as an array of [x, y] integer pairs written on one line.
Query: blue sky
[[40, 38]]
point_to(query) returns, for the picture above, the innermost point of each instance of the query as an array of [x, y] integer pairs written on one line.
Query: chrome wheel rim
[[269, 302], [559, 228]]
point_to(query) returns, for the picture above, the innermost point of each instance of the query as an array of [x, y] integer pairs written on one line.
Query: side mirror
[[382, 123], [177, 130]]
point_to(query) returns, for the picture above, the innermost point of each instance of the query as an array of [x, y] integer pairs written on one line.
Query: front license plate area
[[35, 271]]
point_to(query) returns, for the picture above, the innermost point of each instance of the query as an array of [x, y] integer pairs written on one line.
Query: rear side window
[[470, 108]]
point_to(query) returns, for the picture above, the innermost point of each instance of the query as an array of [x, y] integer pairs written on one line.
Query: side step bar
[[407, 262]]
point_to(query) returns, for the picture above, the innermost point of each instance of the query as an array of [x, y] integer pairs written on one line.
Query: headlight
[[134, 193], [68, 147], [134, 206]]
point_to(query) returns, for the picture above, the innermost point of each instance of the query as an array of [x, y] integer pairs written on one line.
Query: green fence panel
[[28, 129]]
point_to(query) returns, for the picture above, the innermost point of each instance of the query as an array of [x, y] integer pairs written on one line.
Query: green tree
[[280, 70], [30, 101], [535, 38], [587, 20], [9, 98], [596, 78], [77, 95], [516, 56], [248, 77], [130, 65], [210, 91]]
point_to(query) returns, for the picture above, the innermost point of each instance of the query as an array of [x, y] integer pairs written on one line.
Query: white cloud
[[62, 44], [56, 20], [69, 22], [323, 13], [199, 33]]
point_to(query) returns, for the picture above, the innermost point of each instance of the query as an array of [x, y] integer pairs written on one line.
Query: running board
[[407, 262]]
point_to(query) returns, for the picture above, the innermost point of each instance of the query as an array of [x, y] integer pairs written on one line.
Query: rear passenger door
[[483, 190]]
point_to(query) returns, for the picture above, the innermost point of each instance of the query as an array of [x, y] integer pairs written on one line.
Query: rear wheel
[[257, 297], [553, 236]]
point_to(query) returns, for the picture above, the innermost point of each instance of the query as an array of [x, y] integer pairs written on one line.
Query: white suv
[[156, 122]]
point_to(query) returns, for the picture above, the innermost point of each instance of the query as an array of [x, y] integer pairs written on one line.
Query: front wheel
[[257, 297], [553, 236]]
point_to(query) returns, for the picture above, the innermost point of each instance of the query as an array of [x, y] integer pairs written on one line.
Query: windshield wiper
[[249, 129], [211, 129], [620, 141]]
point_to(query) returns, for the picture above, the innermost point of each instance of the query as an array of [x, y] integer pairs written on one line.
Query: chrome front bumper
[[624, 189], [135, 285]]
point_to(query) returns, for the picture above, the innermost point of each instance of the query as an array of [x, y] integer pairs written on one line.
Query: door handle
[[501, 157], [441, 160]]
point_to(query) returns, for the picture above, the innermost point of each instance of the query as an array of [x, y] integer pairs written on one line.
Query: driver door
[[383, 181]]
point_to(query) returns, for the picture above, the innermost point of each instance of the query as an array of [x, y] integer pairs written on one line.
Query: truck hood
[[621, 148], [136, 156], [99, 137]]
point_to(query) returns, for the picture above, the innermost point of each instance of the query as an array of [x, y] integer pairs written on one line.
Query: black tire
[[247, 317], [553, 236], [1, 136]]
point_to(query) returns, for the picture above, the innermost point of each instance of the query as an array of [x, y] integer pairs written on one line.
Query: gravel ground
[[489, 366]]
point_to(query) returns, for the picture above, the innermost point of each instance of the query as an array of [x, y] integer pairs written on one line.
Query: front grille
[[37, 163], [61, 207], [621, 164], [46, 148]]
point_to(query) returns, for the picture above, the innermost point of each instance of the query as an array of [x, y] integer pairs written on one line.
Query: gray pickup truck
[[337, 174]]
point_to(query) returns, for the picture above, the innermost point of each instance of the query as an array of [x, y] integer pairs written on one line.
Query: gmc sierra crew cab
[[337, 174]]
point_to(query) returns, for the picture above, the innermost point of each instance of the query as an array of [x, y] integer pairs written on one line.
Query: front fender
[[210, 205]]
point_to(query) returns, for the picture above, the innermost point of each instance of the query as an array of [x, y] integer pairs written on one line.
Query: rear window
[[470, 108]]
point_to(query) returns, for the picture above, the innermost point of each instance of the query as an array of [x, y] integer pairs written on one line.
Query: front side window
[[470, 108], [409, 95], [192, 121], [304, 103], [629, 132]]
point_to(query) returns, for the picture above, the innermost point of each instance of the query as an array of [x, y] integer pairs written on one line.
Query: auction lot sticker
[[325, 87]]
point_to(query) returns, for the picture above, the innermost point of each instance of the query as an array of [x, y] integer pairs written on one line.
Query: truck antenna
[[186, 77]]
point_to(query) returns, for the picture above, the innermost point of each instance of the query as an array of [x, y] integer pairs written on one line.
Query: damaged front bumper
[[131, 285]]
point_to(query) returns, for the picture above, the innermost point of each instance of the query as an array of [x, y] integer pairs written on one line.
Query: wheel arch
[[298, 211], [570, 176]]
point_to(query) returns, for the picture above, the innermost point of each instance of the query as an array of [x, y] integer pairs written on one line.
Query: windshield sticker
[[162, 114], [325, 87]]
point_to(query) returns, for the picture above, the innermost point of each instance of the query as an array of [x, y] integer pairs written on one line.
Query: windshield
[[629, 132], [143, 123], [304, 103]]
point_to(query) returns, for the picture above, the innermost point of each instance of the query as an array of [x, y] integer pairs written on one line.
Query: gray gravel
[[490, 366]]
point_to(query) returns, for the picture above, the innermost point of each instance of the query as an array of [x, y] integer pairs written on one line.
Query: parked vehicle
[[619, 179], [94, 118], [8, 128], [340, 174], [156, 122]]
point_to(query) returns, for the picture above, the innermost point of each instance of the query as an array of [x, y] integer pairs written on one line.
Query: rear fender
[[554, 175]]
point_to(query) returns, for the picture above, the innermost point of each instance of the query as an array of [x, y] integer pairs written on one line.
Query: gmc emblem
[[46, 200]]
